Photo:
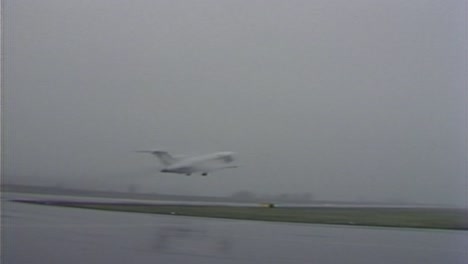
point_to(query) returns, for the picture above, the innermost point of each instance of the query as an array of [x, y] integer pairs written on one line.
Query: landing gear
[[204, 174], [188, 174]]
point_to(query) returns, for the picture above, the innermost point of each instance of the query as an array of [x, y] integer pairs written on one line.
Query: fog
[[348, 100]]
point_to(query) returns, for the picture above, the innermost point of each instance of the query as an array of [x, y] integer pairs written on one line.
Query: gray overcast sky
[[349, 100]]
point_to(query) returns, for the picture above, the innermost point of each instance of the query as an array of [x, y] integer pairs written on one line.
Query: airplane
[[203, 164]]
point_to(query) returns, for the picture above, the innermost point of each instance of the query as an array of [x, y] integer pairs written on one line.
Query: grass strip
[[436, 218]]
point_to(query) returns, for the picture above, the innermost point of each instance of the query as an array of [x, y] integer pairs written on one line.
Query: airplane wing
[[225, 167]]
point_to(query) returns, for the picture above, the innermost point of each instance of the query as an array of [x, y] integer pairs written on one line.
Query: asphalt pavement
[[48, 234]]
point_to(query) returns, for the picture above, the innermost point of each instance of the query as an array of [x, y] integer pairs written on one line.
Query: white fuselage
[[201, 164]]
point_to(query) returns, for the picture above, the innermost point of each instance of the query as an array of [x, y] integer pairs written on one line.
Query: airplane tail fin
[[164, 157]]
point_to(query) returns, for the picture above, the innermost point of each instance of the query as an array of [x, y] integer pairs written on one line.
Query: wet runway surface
[[47, 234]]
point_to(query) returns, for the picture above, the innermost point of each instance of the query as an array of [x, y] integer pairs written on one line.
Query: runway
[[47, 234]]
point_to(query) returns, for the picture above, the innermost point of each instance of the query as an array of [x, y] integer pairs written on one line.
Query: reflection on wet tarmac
[[47, 234], [189, 239]]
